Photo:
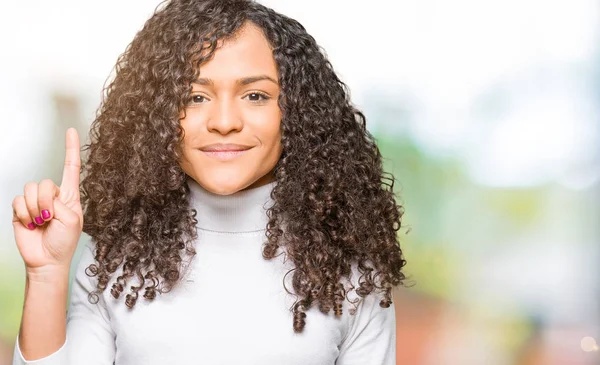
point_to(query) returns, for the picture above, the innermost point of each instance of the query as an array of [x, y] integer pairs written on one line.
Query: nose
[[224, 118]]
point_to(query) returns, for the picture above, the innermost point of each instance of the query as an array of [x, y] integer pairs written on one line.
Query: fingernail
[[31, 225], [46, 214], [39, 220]]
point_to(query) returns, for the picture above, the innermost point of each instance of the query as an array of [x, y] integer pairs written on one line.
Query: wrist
[[47, 275]]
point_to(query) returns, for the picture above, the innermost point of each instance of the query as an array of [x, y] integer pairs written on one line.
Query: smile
[[225, 155]]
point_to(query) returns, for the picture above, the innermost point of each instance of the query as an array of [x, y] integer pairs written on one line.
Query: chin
[[220, 187], [226, 192]]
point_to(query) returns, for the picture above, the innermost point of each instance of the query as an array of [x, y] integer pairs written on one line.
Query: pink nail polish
[[39, 220], [31, 225], [46, 214]]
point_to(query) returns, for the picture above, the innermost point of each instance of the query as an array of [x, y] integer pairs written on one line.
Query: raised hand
[[48, 219]]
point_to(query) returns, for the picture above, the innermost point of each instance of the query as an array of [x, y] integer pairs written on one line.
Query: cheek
[[187, 143], [274, 144], [192, 126], [185, 122], [264, 125], [272, 136], [273, 128]]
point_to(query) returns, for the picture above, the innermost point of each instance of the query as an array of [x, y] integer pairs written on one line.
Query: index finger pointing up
[[70, 179]]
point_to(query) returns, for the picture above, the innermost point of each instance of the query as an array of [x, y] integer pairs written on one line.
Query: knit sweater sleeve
[[90, 338], [371, 337]]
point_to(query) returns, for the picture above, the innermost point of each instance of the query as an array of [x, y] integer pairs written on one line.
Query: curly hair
[[334, 205]]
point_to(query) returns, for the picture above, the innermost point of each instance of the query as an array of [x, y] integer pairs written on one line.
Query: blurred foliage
[[422, 186], [11, 301]]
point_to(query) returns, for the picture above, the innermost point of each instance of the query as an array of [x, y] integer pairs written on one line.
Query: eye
[[197, 99], [257, 97]]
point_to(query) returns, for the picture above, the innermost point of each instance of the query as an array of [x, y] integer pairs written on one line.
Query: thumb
[[65, 215]]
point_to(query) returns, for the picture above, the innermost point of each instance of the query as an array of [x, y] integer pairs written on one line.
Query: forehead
[[247, 53]]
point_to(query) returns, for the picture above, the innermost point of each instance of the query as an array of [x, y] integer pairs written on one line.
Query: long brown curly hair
[[332, 195]]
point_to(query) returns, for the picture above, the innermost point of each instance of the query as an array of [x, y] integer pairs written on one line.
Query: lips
[[225, 147], [225, 155]]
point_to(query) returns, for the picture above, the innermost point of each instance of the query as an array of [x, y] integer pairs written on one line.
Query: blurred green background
[[487, 113]]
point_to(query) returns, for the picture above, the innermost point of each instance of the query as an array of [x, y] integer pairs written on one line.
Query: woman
[[236, 206]]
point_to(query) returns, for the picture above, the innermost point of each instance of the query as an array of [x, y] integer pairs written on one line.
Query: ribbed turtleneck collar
[[240, 212]]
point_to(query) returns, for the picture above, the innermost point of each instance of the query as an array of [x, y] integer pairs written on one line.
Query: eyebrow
[[240, 82]]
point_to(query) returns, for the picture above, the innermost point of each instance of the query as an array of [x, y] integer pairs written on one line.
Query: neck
[[241, 212]]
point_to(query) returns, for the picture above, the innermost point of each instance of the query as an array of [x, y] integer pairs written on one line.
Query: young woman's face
[[234, 101]]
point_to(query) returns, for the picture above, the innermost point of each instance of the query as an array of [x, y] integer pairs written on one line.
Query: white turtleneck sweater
[[231, 307]]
